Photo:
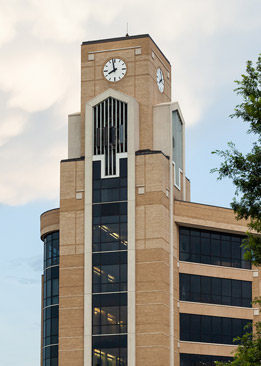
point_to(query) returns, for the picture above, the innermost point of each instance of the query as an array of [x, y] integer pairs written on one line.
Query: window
[[210, 247], [110, 236], [109, 350], [215, 290], [51, 249], [177, 147], [211, 329], [110, 209], [109, 259], [109, 189], [51, 286], [200, 360], [51, 299], [110, 272], [50, 356], [110, 313], [50, 328], [110, 131]]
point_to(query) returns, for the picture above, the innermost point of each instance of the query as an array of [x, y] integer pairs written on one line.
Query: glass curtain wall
[[51, 299], [109, 258], [201, 360], [214, 290], [211, 247], [211, 329]]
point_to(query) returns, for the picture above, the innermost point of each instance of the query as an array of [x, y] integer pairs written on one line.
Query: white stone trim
[[102, 159], [133, 145], [114, 49], [210, 344], [171, 255]]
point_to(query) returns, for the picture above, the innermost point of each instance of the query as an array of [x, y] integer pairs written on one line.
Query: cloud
[[12, 125], [24, 271], [66, 21], [29, 176], [37, 81], [206, 41], [8, 21], [62, 21], [24, 280], [35, 263], [30, 161]]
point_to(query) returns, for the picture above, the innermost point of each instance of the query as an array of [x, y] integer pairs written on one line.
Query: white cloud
[[11, 126], [59, 20], [67, 21], [8, 20], [205, 40], [35, 79], [29, 172]]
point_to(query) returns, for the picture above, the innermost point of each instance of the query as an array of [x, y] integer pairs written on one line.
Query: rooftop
[[127, 37]]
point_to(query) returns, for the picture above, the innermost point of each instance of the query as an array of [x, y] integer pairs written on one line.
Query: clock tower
[[125, 83], [115, 267], [144, 63], [126, 252]]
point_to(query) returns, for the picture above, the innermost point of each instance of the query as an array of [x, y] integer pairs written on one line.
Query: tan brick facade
[[159, 210], [71, 286], [139, 82]]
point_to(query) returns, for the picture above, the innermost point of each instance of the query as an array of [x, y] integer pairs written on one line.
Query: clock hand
[[113, 64], [112, 71]]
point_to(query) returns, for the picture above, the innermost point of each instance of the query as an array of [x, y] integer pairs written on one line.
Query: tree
[[245, 172], [248, 352]]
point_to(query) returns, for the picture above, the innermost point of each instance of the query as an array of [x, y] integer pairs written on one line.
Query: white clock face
[[160, 80], [114, 70]]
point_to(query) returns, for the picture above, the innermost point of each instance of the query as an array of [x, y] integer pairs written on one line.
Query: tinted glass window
[[210, 329], [110, 272], [50, 356], [215, 290], [109, 350], [51, 286], [200, 360], [51, 299], [110, 244], [51, 249], [50, 329], [202, 246]]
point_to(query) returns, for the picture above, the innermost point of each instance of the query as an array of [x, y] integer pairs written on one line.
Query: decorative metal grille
[[110, 132]]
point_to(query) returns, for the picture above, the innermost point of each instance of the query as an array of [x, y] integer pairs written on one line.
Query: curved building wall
[[51, 299], [50, 221]]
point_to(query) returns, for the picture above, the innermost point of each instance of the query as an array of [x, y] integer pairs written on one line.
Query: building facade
[[134, 273]]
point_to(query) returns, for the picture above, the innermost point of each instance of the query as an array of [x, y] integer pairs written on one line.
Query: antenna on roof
[[127, 34]]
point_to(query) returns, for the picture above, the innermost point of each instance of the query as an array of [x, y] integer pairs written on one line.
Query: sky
[[207, 42]]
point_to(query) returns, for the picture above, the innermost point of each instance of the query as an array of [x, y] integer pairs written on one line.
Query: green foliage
[[250, 89], [245, 170], [248, 352]]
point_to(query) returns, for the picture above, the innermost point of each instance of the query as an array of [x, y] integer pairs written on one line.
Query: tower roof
[[124, 39]]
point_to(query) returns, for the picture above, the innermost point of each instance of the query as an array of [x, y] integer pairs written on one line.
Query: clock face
[[160, 80], [114, 70]]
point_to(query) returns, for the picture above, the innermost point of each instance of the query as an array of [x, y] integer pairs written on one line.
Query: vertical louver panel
[[110, 131]]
